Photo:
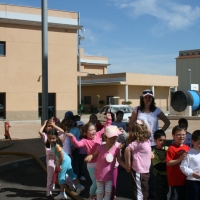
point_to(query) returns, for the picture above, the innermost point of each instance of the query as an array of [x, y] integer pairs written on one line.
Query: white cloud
[[174, 16]]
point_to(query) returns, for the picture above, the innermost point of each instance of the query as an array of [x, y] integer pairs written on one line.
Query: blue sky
[[137, 36]]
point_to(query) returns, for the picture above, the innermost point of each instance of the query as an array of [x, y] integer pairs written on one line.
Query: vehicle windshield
[[124, 109]]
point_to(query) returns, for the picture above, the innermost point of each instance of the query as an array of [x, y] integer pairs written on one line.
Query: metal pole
[[190, 80], [44, 61], [79, 62]]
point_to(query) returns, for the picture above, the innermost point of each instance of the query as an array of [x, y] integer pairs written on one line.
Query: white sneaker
[[61, 196], [53, 186], [83, 178], [72, 187], [49, 193], [80, 189]]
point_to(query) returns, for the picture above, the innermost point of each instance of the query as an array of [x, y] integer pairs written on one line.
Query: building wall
[[94, 69], [182, 66], [93, 64], [22, 66], [134, 93]]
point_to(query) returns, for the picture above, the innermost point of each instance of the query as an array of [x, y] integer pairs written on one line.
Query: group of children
[[70, 141]]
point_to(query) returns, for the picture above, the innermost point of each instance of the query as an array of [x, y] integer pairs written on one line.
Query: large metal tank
[[181, 99]]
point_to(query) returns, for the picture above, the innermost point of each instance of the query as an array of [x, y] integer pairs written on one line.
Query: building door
[[2, 105], [51, 104]]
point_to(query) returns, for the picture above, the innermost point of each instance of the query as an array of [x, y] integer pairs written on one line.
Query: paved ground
[[28, 180]]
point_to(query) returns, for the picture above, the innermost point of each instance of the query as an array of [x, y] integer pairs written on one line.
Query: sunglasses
[[147, 92]]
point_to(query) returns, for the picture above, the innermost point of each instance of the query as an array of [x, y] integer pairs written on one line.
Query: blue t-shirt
[[188, 139], [76, 132], [119, 124]]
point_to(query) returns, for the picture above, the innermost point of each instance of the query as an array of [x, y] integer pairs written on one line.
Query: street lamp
[[190, 72], [113, 98]]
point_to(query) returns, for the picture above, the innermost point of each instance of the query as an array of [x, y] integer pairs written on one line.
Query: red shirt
[[174, 175], [6, 126]]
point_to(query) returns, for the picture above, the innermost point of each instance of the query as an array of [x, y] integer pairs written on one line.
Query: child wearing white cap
[[106, 157]]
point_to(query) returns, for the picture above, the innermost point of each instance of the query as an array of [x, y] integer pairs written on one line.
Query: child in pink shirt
[[50, 159], [91, 139], [106, 158], [138, 159]]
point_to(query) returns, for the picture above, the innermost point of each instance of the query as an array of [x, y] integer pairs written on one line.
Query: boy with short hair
[[191, 168], [159, 164], [118, 122], [121, 125], [184, 123], [175, 154]]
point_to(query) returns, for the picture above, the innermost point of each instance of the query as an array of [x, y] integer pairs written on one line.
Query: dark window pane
[[2, 48], [87, 99], [51, 103]]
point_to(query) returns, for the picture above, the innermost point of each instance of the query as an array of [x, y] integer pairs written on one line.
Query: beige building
[[127, 87], [21, 63], [21, 68], [188, 69]]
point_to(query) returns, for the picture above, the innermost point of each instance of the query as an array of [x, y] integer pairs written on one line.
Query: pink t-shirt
[[104, 169], [141, 154], [91, 145]]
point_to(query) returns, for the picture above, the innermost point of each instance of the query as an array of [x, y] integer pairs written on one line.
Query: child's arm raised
[[56, 127], [90, 157], [41, 131], [108, 122], [128, 159], [74, 141]]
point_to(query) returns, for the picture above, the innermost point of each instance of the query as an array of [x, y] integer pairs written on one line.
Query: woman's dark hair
[[152, 106], [55, 132]]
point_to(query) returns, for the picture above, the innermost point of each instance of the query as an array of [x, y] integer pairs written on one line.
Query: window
[[51, 104], [87, 99], [2, 48], [2, 105]]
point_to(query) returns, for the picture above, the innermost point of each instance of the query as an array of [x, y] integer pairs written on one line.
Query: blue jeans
[[93, 187]]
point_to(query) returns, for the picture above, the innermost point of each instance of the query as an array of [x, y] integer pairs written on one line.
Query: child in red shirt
[[175, 154], [7, 127]]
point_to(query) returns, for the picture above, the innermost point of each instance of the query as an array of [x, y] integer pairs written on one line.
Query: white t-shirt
[[66, 144], [191, 164], [151, 119]]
